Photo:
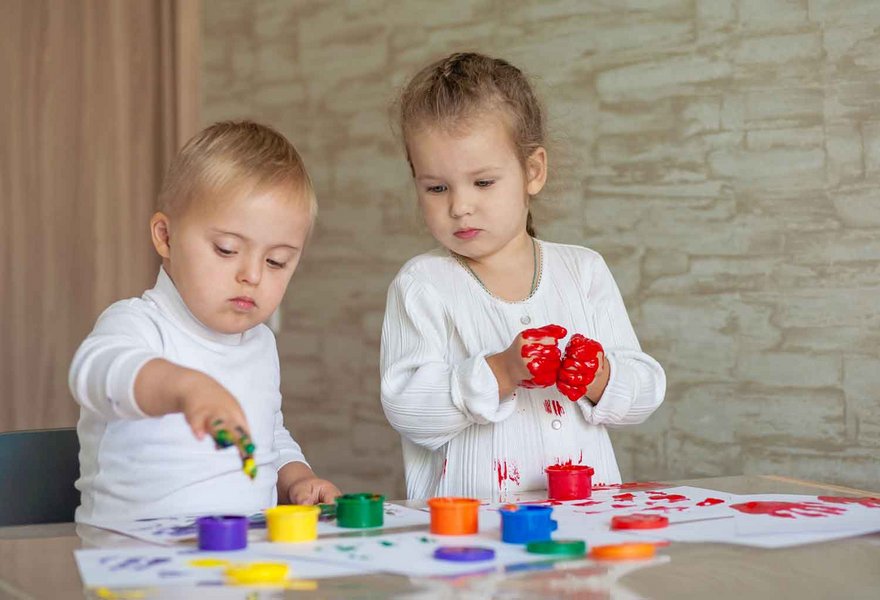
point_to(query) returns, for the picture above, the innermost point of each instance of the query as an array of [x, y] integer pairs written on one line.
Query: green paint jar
[[360, 510]]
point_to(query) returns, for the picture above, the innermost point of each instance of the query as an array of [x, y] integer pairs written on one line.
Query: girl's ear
[[160, 231], [536, 171]]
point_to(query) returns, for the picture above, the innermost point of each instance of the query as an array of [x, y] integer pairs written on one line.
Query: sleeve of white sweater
[[425, 398], [638, 384], [288, 450], [106, 364]]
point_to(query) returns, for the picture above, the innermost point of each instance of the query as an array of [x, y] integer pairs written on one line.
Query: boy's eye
[[223, 251], [436, 189], [483, 183], [275, 264]]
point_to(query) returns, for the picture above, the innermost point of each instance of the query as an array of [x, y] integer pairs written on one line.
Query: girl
[[455, 382]]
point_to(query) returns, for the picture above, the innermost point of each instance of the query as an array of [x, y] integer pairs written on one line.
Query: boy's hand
[[210, 409], [313, 491]]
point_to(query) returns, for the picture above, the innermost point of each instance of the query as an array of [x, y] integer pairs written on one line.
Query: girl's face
[[231, 260], [473, 190]]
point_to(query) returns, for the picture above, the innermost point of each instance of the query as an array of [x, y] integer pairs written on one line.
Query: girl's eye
[[275, 264], [484, 183], [436, 189], [223, 251]]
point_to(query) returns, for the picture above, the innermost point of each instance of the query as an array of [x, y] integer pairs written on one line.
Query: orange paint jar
[[454, 516]]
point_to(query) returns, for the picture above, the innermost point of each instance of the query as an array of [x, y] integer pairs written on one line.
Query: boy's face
[[231, 260], [472, 188]]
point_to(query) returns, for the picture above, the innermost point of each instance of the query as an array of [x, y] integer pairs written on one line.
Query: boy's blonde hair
[[230, 155], [451, 91]]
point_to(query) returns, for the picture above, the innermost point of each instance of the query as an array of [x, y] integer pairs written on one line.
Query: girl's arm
[[425, 398], [637, 383]]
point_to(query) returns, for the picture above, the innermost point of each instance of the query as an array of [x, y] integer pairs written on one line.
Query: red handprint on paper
[[788, 510], [544, 359], [579, 366], [869, 502]]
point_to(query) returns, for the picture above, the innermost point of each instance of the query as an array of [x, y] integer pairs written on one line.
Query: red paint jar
[[569, 482]]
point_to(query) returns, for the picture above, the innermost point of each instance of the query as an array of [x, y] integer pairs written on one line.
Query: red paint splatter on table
[[666, 497], [631, 485], [710, 502], [554, 407], [788, 510], [588, 503], [667, 508], [547, 502], [627, 496], [506, 473], [869, 502]]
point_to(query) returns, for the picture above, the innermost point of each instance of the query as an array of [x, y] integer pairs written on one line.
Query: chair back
[[37, 472]]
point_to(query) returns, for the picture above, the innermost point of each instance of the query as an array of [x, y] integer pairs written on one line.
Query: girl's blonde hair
[[451, 91], [230, 155]]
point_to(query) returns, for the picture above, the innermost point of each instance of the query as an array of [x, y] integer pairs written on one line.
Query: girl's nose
[[460, 205]]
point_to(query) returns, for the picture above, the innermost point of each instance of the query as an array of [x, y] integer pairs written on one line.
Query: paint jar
[[524, 524], [454, 516], [289, 523], [227, 532], [360, 510], [569, 482]]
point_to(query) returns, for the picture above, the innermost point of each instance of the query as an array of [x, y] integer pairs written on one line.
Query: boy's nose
[[250, 272]]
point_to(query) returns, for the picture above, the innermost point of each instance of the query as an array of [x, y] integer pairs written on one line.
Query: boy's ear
[[160, 231], [536, 171]]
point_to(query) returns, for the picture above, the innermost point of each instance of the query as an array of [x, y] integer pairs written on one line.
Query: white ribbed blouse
[[439, 393]]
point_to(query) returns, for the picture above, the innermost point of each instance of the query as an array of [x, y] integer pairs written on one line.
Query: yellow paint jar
[[291, 523]]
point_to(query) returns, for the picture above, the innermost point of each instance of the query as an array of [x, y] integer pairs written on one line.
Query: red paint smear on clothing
[[554, 407], [443, 472], [788, 510], [869, 502], [710, 502], [506, 473]]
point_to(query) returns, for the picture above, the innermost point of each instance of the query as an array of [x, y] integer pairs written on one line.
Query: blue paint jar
[[524, 524]]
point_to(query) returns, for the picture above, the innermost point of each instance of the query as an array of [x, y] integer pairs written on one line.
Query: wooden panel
[[86, 135]]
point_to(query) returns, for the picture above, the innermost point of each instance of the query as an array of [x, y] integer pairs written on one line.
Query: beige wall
[[722, 155]]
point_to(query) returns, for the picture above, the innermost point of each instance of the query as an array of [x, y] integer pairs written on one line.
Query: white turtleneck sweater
[[135, 466], [438, 392]]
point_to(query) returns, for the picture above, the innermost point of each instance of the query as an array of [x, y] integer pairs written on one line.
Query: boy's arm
[[298, 484]]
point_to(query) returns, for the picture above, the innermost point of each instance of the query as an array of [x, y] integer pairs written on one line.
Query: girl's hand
[[540, 349], [584, 370], [532, 360]]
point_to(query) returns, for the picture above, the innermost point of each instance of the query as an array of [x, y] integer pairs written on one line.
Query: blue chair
[[37, 472]]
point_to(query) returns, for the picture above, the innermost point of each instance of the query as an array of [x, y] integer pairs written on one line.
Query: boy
[[162, 377]]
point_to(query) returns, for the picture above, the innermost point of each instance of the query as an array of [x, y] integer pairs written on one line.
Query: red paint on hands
[[544, 359], [788, 510], [869, 502], [578, 367]]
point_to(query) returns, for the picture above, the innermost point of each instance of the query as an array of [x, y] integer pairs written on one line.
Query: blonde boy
[[161, 374]]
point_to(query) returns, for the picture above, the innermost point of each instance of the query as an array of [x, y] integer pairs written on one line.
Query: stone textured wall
[[724, 156]]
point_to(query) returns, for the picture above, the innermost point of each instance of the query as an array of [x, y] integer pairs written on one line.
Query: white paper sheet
[[152, 566], [169, 531], [786, 514]]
